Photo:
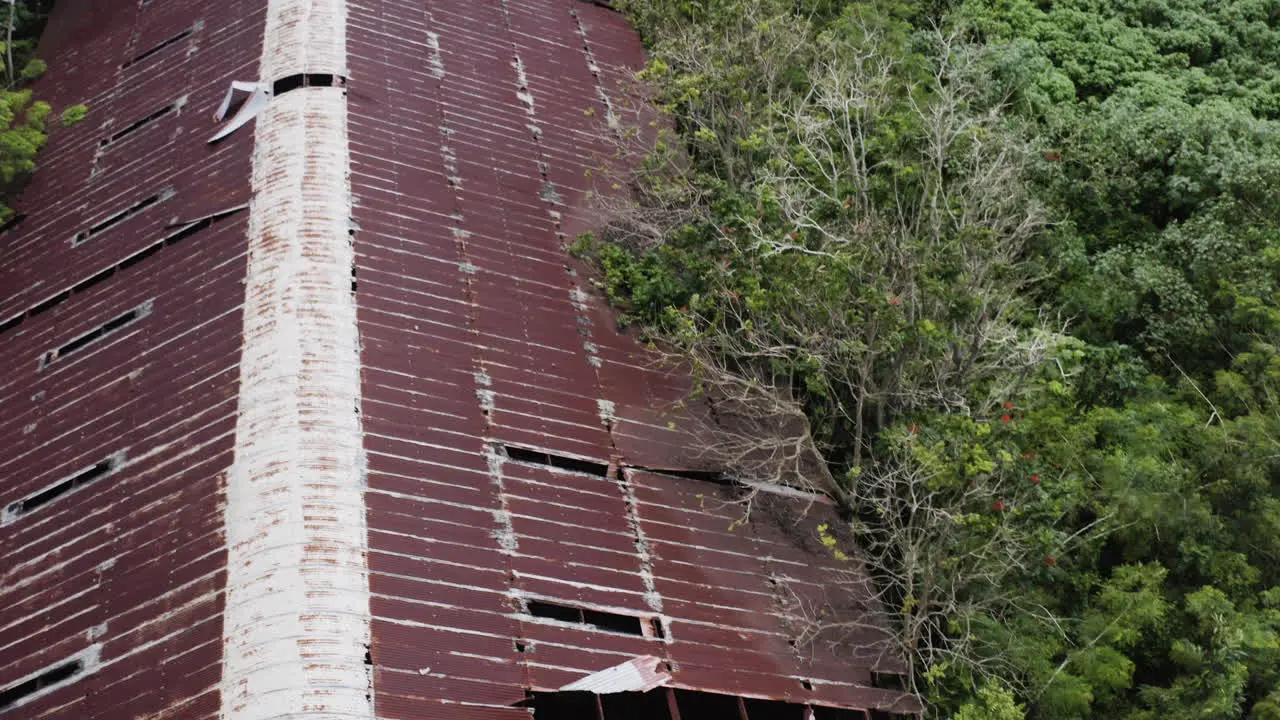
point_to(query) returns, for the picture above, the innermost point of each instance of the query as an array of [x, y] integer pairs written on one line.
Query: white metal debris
[[259, 96], [639, 674]]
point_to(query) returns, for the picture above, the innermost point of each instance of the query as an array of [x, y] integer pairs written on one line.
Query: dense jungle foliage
[[1004, 277]]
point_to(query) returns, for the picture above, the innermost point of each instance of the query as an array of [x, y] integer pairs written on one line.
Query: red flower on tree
[[1005, 419], [1008, 405], [998, 506], [894, 301], [1050, 561], [1035, 479]]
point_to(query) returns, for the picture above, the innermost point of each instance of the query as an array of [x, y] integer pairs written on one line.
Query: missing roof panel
[[564, 705], [598, 619], [157, 48], [637, 706], [124, 132], [538, 457], [758, 709], [184, 231], [120, 321], [301, 80], [696, 705], [51, 678], [888, 681], [62, 488], [665, 703], [54, 676], [115, 219]]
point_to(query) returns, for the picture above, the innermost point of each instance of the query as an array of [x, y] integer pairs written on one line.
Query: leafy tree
[[23, 118], [1002, 277]]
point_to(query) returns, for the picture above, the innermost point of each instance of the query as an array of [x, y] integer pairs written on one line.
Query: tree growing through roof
[[864, 234], [843, 232]]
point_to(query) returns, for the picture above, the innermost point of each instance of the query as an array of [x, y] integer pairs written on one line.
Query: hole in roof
[[111, 221], [301, 80], [758, 709], [598, 619], [539, 457], [56, 675], [638, 706], [552, 611], [888, 681], [157, 48], [130, 261], [98, 333], [64, 487], [125, 132], [563, 705], [614, 622], [12, 222], [711, 476], [697, 705]]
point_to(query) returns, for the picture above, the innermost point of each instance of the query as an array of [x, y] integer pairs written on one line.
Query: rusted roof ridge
[[296, 629]]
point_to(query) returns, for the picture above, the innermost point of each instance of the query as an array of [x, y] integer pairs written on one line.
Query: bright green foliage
[[22, 118], [874, 234], [74, 114], [992, 703]]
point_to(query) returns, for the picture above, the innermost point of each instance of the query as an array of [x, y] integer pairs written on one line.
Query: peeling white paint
[[434, 60], [608, 411], [505, 533], [652, 597], [297, 622]]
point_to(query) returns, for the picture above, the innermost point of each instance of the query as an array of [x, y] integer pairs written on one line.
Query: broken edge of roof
[[638, 674]]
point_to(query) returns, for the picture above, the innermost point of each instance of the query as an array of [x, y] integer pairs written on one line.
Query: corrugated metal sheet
[[132, 563], [473, 126], [640, 674], [488, 375]]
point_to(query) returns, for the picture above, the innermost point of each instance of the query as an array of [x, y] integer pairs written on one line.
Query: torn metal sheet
[[636, 675], [259, 96]]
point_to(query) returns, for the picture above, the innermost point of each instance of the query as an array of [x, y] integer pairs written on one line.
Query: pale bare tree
[[873, 323]]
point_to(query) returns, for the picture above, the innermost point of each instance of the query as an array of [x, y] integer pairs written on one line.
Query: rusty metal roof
[[469, 176], [111, 585], [515, 545]]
